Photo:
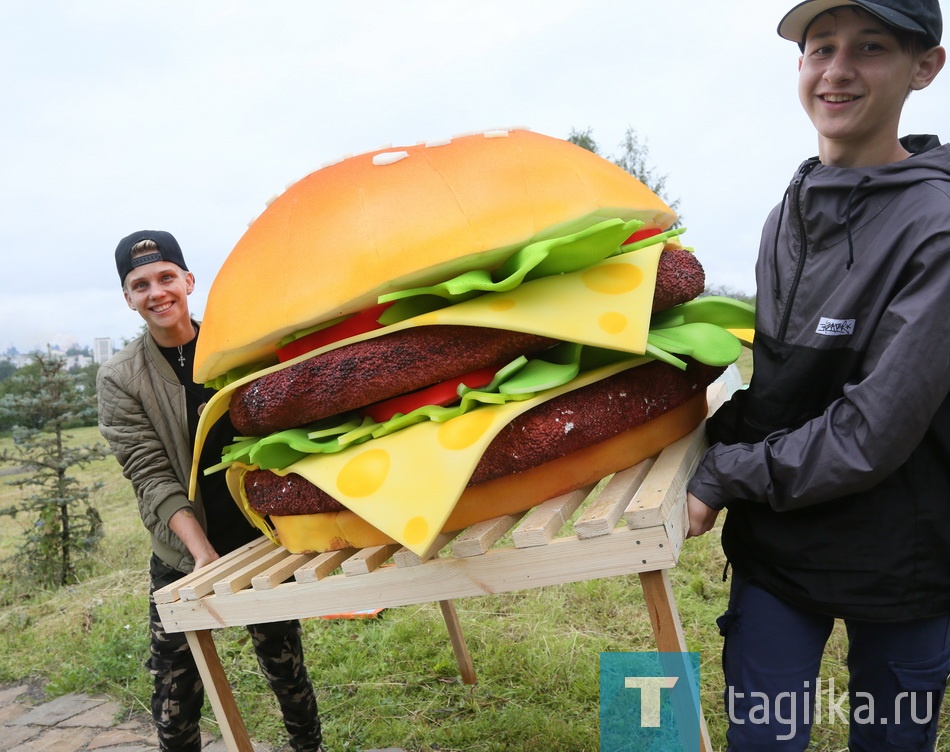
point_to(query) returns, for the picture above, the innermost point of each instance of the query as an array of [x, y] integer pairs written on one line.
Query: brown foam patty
[[357, 375], [679, 277]]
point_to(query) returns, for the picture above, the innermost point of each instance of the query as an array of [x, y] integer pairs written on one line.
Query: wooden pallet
[[633, 522]]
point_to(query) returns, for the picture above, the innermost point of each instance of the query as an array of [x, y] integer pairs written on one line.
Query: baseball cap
[[168, 250], [916, 16]]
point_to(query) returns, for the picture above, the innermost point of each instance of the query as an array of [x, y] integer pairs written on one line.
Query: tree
[[63, 525], [584, 139], [17, 390], [728, 292], [634, 157]]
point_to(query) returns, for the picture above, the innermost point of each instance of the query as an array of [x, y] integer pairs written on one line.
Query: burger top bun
[[401, 217]]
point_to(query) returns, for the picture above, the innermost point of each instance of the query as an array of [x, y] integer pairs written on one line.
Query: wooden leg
[[668, 631], [233, 730], [466, 667]]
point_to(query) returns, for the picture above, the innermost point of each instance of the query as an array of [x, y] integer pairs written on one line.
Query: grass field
[[390, 680]]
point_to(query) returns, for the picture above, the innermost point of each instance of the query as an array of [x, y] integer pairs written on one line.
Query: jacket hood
[[833, 203], [928, 161]]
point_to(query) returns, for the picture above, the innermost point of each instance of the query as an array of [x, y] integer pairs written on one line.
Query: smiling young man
[[148, 412], [834, 464]]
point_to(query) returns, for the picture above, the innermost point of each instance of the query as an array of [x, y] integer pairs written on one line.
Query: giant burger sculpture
[[419, 338]]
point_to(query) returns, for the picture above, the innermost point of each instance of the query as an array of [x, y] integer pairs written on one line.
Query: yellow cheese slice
[[746, 335], [607, 305], [407, 483]]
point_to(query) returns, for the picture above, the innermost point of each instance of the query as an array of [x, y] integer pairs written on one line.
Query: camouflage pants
[[179, 692]]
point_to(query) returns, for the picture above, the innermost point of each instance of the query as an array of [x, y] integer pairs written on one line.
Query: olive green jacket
[[142, 415]]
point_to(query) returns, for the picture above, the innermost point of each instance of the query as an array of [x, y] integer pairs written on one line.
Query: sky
[[121, 115]]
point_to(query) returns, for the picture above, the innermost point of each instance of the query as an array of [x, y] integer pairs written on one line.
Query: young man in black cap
[[148, 411], [835, 463]]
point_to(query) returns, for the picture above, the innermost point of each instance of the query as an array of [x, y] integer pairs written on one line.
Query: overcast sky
[[120, 115]]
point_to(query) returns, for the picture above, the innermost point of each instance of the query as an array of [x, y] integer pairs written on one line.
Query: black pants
[[179, 692], [775, 694]]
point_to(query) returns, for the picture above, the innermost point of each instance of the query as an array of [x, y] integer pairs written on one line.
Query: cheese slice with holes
[[407, 483], [607, 305]]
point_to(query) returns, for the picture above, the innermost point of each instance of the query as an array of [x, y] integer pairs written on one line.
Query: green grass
[[392, 680]]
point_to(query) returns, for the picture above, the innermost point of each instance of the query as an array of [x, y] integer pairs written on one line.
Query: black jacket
[[835, 462]]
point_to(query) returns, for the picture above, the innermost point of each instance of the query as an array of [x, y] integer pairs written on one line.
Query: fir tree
[[62, 524]]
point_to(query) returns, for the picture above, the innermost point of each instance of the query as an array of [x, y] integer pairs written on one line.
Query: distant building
[[17, 359], [102, 349], [76, 360]]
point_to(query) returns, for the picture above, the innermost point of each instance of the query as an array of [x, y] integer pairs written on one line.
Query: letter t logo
[[650, 687]]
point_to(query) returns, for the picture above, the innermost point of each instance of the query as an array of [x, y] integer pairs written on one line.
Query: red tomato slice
[[443, 393], [642, 234], [358, 323]]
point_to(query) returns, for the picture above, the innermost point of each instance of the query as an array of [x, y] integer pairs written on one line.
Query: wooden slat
[[545, 520], [481, 536], [671, 645], [237, 581], [666, 481], [462, 656], [677, 525], [365, 560], [716, 394], [602, 516], [201, 582], [281, 571], [233, 730], [316, 569], [665, 484], [406, 558]]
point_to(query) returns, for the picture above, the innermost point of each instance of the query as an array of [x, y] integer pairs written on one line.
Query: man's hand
[[205, 558], [701, 517], [185, 525]]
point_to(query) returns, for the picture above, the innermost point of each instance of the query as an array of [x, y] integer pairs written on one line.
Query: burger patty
[[589, 415], [679, 277], [360, 374], [562, 425]]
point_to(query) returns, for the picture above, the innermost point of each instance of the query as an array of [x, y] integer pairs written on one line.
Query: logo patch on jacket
[[835, 327]]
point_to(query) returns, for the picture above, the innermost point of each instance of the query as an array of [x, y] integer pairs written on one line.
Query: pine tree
[[63, 525]]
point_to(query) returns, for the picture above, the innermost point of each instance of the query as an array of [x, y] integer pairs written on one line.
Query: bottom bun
[[518, 492]]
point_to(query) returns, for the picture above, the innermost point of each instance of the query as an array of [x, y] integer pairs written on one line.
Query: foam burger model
[[419, 338]]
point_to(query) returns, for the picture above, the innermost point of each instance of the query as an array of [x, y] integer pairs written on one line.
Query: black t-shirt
[[228, 528]]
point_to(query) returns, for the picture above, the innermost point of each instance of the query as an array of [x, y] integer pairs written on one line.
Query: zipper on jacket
[[793, 289]]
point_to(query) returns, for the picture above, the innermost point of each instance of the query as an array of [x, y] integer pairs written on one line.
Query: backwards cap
[[916, 16], [168, 250]]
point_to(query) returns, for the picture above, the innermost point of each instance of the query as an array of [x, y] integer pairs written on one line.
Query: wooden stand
[[253, 584]]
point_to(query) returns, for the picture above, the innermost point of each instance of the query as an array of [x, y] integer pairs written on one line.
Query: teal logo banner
[[649, 702]]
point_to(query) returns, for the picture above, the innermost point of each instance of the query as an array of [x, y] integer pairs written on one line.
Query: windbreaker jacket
[[835, 462], [142, 416]]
